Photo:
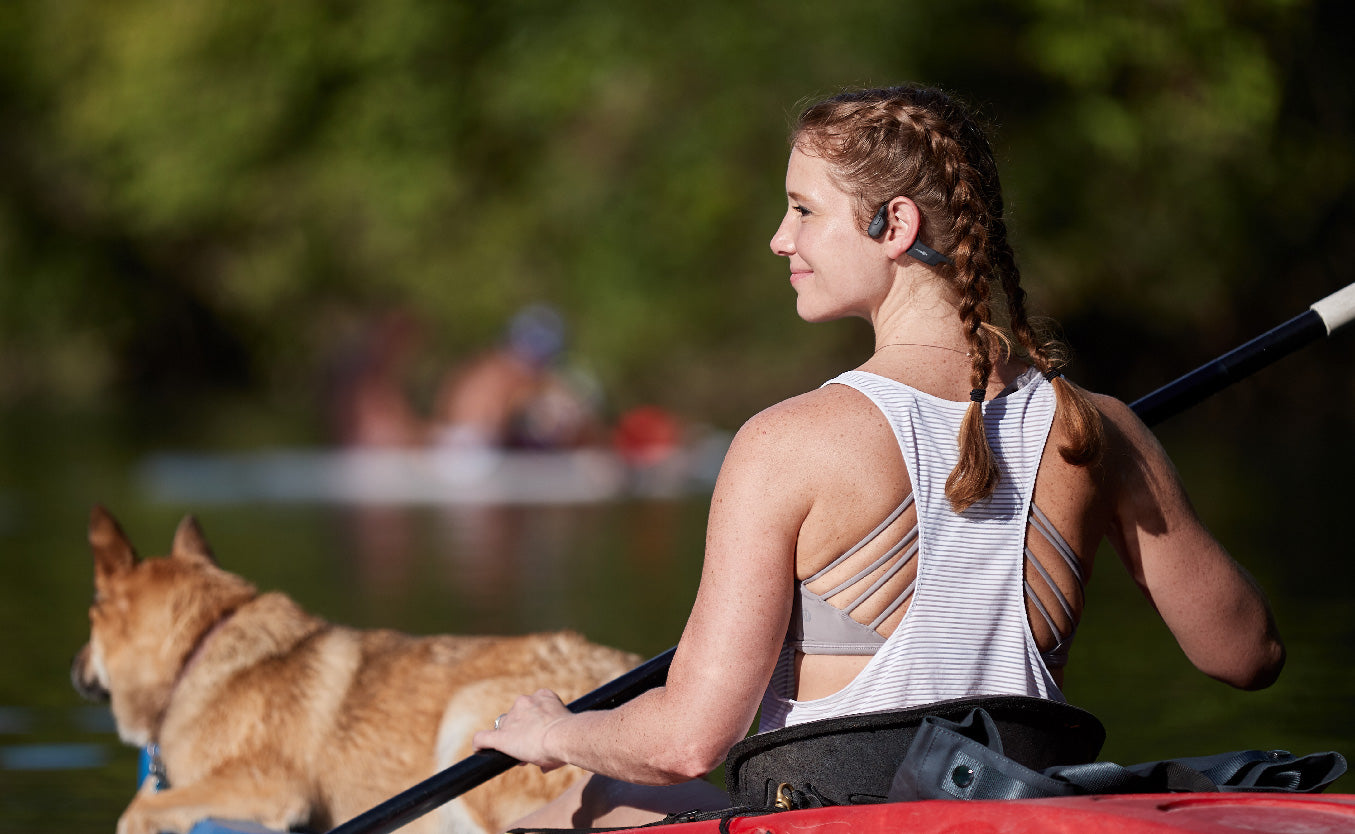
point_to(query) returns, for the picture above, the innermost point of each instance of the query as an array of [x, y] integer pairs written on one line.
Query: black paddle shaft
[[1208, 379], [1167, 401]]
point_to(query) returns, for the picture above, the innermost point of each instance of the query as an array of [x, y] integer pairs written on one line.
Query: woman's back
[[853, 459]]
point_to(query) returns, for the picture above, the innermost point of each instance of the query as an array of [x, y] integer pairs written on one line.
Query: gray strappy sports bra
[[819, 627]]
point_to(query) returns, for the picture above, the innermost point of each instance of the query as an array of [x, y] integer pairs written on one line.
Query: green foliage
[[218, 192]]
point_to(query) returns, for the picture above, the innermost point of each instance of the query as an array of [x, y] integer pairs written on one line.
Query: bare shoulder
[[807, 436], [1146, 487], [1127, 436], [816, 422], [1115, 410]]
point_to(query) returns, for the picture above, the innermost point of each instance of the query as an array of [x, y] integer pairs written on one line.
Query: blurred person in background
[[515, 396], [366, 399]]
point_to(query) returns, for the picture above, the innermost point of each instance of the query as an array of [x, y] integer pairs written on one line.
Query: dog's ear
[[113, 553], [190, 543]]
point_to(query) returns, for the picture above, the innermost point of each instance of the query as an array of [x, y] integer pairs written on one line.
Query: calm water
[[622, 573]]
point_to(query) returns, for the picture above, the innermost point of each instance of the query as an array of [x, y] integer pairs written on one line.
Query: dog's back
[[265, 712]]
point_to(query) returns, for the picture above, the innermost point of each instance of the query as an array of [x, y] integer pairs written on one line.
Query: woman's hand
[[522, 731]]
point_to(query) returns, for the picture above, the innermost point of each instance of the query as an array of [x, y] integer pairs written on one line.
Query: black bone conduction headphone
[[918, 250]]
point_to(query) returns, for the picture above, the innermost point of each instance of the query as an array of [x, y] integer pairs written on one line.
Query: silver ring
[[499, 720]]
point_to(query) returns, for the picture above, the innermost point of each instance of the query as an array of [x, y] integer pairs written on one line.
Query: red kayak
[[1166, 813], [1173, 813]]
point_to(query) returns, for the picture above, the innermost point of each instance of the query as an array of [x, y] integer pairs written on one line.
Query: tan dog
[[264, 712]]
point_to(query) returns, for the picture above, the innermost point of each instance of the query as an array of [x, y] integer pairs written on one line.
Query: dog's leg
[[268, 799]]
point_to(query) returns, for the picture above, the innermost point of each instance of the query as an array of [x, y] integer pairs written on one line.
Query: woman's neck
[[920, 312], [920, 340]]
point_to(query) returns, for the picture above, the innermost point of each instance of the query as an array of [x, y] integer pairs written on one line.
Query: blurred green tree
[[214, 194]]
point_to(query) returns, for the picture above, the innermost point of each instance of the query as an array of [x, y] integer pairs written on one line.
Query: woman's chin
[[817, 315]]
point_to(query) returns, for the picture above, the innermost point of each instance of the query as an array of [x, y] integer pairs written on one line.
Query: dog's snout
[[83, 678]]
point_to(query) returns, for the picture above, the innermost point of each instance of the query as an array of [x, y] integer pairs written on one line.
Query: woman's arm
[[1214, 608], [732, 638]]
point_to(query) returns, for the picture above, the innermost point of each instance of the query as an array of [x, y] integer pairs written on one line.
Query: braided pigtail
[[1080, 420], [975, 476]]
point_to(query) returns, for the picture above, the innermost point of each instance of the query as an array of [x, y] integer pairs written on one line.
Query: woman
[[921, 529]]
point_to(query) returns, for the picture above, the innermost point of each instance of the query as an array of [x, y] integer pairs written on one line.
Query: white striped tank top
[[966, 630]]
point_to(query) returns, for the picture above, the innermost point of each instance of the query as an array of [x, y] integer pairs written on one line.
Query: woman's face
[[837, 270]]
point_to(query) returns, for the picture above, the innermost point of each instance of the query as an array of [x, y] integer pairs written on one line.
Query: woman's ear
[[903, 220]]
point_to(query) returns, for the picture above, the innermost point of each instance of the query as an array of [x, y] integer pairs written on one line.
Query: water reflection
[[53, 756]]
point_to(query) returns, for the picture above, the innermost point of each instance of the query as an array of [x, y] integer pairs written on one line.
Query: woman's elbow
[[1242, 647], [682, 763], [1267, 668], [1258, 670]]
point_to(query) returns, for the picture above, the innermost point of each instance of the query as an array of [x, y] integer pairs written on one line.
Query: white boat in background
[[428, 476]]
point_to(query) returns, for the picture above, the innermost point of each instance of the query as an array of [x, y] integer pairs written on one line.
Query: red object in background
[[646, 435]]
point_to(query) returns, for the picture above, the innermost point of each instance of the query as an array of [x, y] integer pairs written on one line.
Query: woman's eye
[[801, 210]]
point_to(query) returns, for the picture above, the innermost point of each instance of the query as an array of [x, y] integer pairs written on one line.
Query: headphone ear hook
[[918, 250]]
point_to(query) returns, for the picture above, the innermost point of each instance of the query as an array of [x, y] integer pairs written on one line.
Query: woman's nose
[[783, 243]]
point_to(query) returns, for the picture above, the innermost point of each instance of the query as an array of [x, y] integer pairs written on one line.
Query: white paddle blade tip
[[1337, 309]]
